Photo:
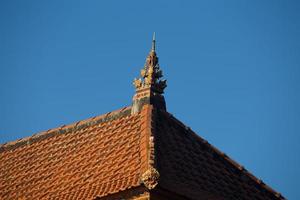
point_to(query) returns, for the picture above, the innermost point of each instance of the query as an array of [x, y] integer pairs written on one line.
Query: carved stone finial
[[151, 74], [150, 178], [150, 86]]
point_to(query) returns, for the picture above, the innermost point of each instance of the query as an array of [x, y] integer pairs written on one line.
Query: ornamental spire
[[150, 85], [151, 74]]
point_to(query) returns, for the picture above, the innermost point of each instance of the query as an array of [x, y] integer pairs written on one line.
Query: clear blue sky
[[233, 71]]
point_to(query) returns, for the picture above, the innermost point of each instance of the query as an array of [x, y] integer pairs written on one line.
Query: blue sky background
[[233, 71]]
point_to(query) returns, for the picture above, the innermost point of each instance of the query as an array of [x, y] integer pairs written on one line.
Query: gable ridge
[[149, 173]]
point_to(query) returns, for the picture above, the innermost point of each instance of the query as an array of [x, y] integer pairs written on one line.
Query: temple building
[[139, 152]]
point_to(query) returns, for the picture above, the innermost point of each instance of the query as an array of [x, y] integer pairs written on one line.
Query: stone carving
[[150, 178], [137, 83], [151, 74]]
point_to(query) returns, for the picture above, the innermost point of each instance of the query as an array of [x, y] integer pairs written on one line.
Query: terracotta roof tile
[[90, 158]]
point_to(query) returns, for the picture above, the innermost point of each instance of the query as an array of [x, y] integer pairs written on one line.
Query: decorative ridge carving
[[150, 178]]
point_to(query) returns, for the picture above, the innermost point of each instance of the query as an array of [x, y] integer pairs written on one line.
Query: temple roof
[[113, 152], [141, 147]]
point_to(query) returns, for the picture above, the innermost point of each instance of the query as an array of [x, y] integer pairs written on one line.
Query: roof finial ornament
[[151, 75], [150, 86], [153, 42]]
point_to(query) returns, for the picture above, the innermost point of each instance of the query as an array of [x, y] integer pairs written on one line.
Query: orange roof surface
[[116, 151], [91, 158]]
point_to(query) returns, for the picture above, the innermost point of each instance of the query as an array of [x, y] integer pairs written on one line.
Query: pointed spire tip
[[153, 43]]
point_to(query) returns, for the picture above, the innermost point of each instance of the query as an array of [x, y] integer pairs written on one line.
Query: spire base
[[147, 96]]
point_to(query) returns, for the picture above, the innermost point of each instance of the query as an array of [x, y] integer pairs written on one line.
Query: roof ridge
[[149, 173], [64, 129]]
